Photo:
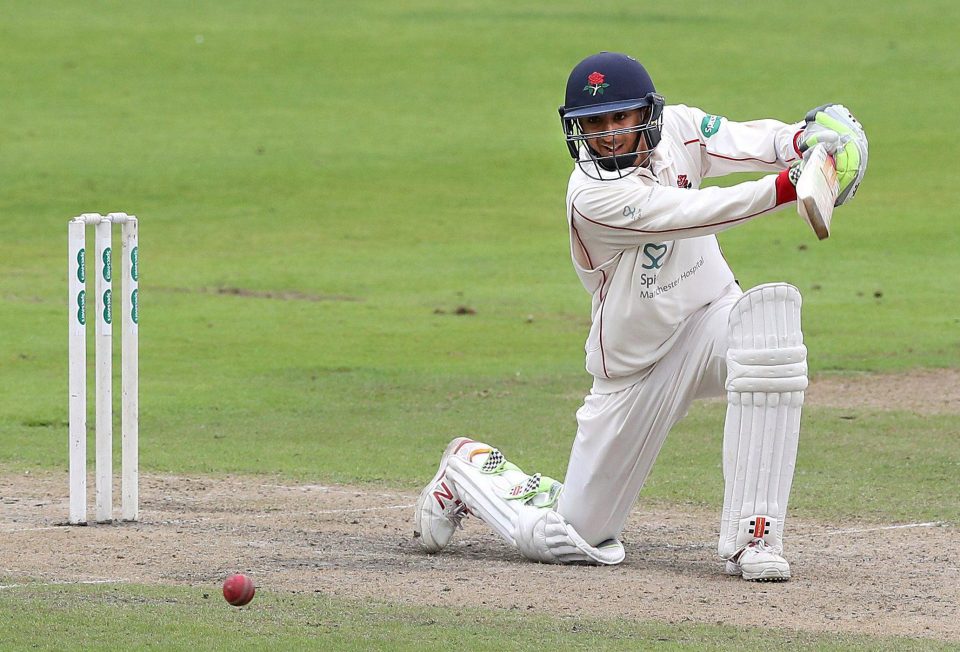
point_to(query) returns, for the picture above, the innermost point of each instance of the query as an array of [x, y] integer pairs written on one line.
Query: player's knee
[[543, 535], [765, 343]]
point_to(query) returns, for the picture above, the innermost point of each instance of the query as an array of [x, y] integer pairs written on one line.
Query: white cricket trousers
[[619, 435]]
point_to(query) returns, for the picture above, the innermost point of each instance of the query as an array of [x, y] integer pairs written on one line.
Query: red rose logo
[[595, 83]]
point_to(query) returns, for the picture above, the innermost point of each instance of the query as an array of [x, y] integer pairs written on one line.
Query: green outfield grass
[[322, 187], [177, 618]]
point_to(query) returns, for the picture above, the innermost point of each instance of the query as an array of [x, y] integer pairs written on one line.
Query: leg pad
[[767, 373]]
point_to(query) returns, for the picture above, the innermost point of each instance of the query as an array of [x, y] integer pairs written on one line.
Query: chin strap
[[618, 163]]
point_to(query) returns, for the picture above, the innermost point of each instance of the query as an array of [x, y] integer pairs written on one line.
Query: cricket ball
[[238, 589]]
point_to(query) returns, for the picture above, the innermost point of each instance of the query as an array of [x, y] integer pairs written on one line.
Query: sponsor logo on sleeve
[[710, 125]]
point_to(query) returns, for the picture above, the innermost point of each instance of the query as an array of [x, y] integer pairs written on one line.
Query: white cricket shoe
[[757, 562], [439, 509]]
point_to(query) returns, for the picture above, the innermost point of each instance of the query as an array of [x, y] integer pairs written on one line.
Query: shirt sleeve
[[627, 213], [752, 146]]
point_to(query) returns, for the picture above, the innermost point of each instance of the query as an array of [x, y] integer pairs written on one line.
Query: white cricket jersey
[[645, 246]]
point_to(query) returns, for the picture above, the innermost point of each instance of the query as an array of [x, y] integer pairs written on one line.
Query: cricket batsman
[[670, 324]]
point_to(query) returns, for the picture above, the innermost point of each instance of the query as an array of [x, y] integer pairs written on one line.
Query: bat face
[[817, 191]]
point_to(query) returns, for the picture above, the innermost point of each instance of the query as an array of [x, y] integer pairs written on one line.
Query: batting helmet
[[605, 83]]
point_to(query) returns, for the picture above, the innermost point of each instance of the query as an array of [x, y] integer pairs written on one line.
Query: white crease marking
[[348, 511], [364, 509], [880, 528], [328, 489], [64, 583]]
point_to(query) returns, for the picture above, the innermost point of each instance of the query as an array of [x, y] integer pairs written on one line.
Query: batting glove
[[843, 136]]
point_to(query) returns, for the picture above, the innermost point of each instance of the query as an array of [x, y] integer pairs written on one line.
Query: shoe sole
[[425, 495], [768, 575]]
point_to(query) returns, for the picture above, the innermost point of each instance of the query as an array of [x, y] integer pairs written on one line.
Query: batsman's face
[[606, 144]]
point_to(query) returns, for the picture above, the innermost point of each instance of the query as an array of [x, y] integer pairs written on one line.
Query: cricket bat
[[817, 191]]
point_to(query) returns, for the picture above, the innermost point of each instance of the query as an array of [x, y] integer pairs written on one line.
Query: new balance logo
[[446, 492]]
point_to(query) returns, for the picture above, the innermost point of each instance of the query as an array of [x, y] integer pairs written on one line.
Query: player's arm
[[727, 146], [629, 214]]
